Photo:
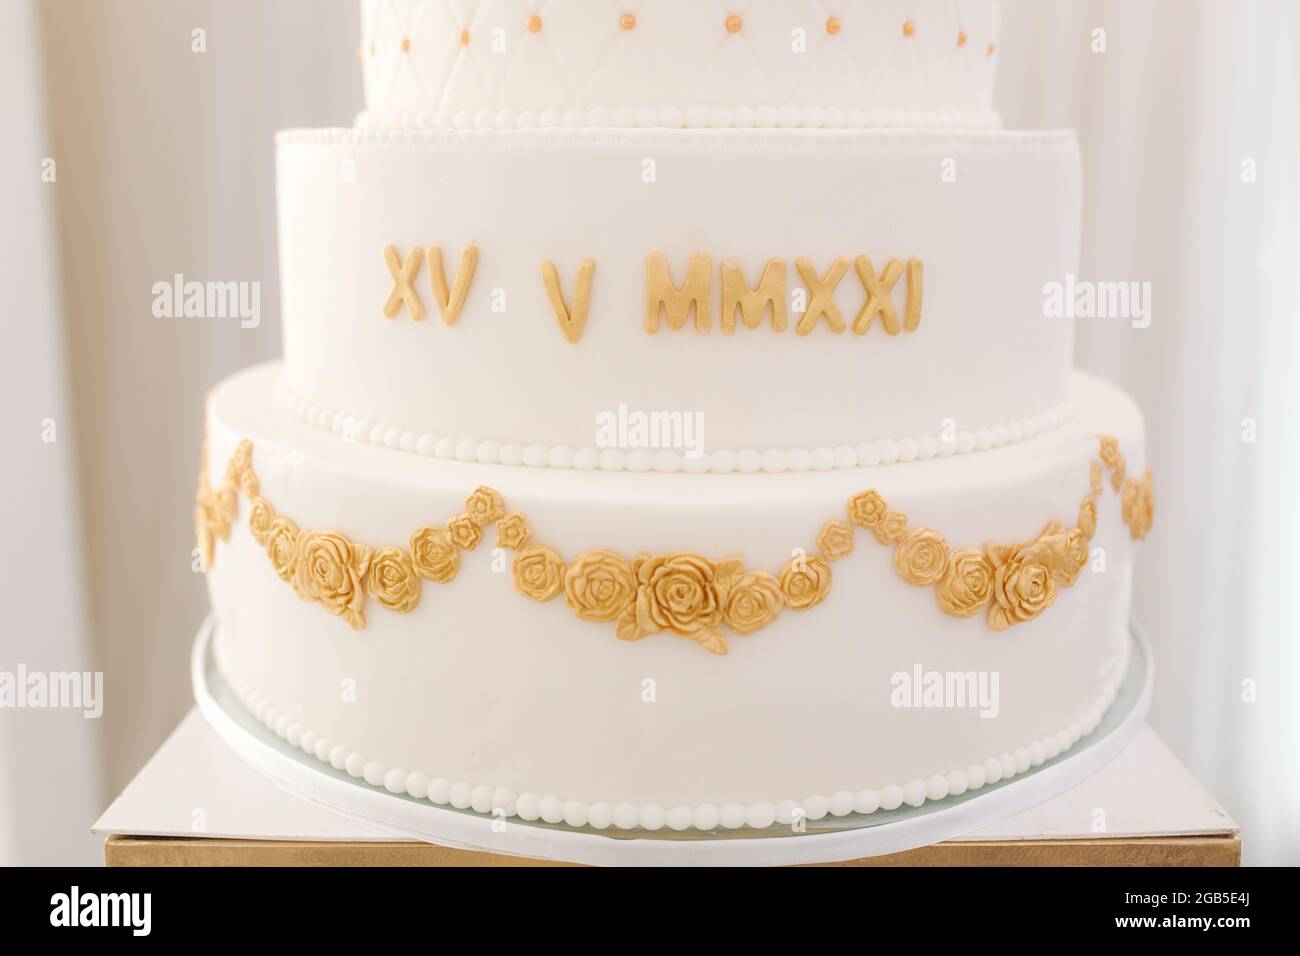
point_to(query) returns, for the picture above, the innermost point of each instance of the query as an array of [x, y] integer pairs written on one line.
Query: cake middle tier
[[780, 289]]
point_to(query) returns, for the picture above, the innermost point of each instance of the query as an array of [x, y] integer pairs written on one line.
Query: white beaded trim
[[689, 117], [530, 807], [351, 137], [869, 454]]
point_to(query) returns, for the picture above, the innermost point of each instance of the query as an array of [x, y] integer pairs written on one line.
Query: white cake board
[[828, 840]]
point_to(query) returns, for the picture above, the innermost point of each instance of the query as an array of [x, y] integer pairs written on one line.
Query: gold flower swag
[[682, 593]]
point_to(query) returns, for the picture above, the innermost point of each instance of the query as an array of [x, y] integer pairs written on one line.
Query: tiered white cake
[[670, 431]]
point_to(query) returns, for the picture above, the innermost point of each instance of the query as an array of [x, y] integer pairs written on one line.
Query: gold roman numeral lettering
[[770, 294], [571, 321], [450, 303]]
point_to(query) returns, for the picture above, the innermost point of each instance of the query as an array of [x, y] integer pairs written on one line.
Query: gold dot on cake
[[734, 23], [832, 26], [627, 21], [464, 38], [534, 24], [991, 48], [372, 48], [406, 44], [908, 28], [961, 37]]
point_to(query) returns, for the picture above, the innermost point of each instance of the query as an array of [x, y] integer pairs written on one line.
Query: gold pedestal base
[[1104, 851]]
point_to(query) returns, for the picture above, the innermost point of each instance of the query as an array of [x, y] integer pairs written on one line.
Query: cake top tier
[[673, 63]]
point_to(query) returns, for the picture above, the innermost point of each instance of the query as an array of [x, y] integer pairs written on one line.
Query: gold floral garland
[[681, 593]]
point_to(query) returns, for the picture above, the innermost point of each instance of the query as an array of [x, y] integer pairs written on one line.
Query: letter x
[[878, 296], [823, 295], [404, 274]]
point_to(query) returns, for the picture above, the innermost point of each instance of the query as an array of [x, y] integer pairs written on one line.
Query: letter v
[[450, 303], [571, 322]]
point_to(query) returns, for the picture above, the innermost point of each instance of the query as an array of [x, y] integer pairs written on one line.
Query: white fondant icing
[[477, 63], [417, 785], [626, 816], [532, 692], [677, 132], [651, 117], [983, 354], [815, 807], [723, 461]]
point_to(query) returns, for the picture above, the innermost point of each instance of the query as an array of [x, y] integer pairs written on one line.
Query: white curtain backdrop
[[1190, 132], [50, 780], [1191, 148], [165, 162]]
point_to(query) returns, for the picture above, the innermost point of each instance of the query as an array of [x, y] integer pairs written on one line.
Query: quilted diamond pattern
[[452, 58]]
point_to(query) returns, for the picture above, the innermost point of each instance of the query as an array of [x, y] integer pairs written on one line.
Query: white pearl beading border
[[530, 807], [674, 117], [869, 454], [801, 139]]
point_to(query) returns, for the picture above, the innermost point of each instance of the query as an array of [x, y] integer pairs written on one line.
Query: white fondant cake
[[983, 356], [670, 477], [508, 64]]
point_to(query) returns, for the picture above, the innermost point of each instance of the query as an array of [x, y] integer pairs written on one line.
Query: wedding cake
[[671, 432]]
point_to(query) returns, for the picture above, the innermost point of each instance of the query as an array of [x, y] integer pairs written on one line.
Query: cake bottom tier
[[650, 650]]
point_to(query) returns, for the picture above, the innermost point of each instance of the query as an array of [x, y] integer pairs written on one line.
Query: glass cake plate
[[827, 840]]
